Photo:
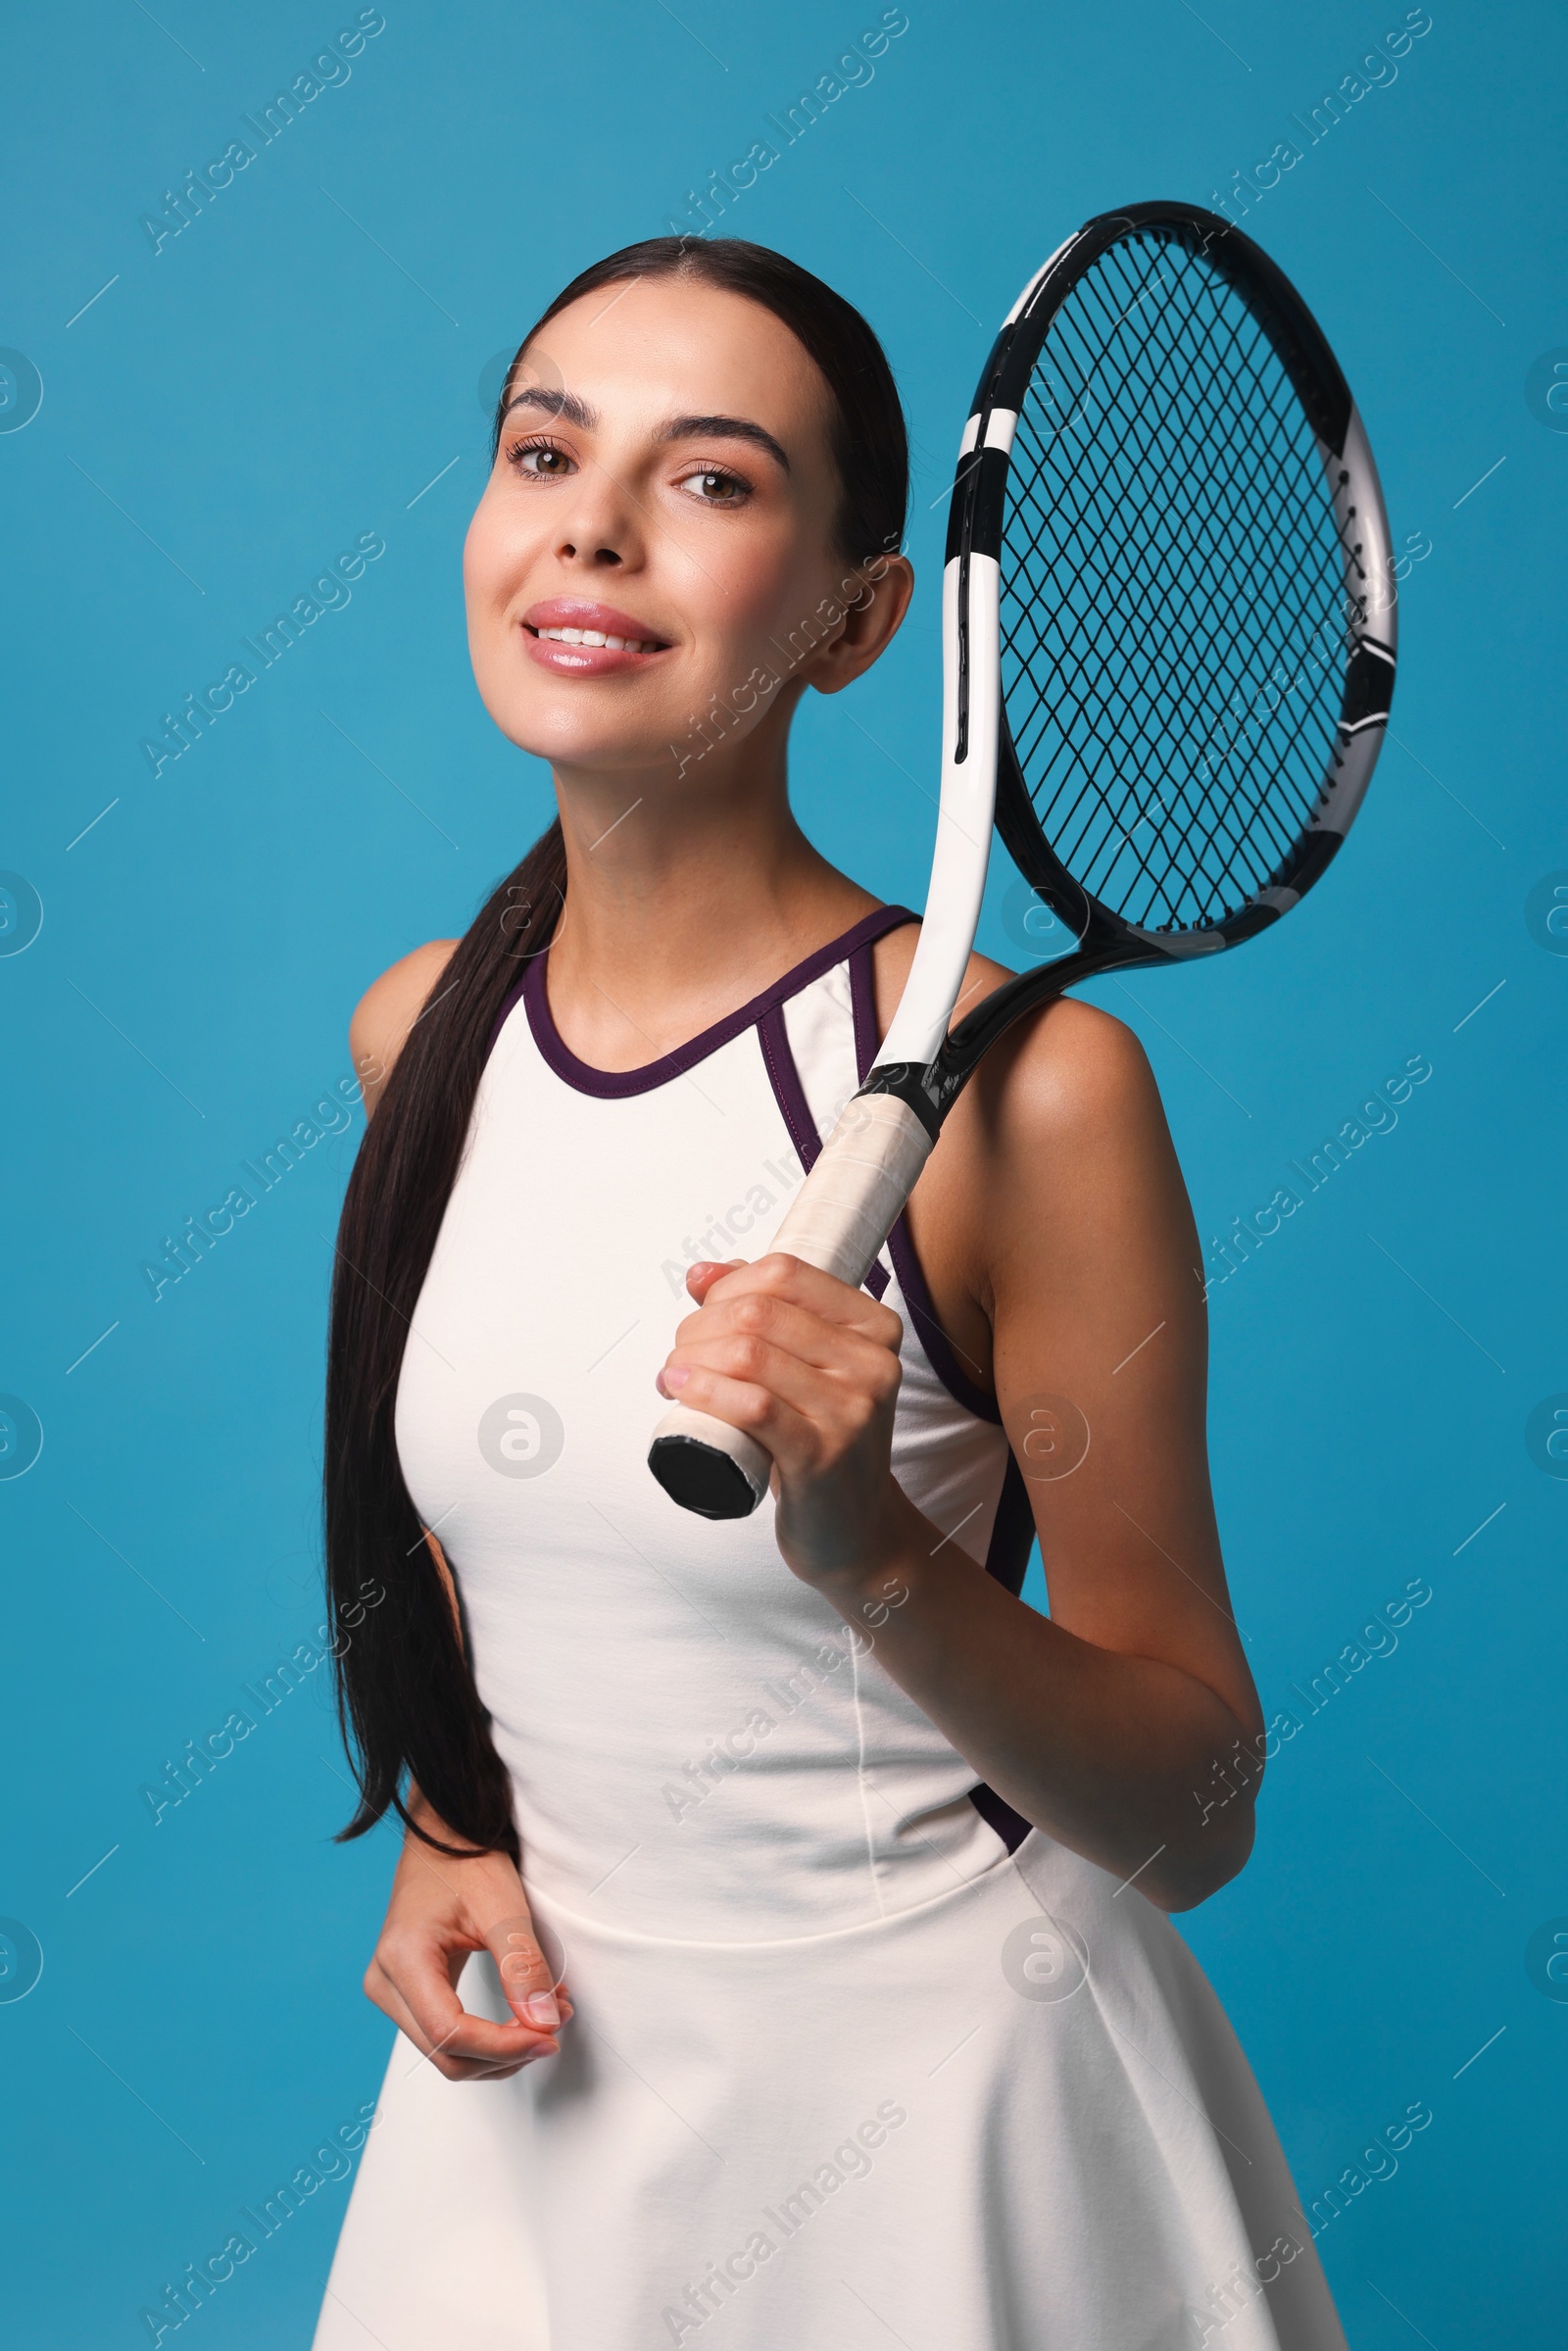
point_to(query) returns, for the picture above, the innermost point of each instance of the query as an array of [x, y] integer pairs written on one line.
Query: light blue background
[[281, 377]]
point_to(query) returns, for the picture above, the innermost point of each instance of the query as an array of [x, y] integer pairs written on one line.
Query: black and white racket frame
[[976, 737]]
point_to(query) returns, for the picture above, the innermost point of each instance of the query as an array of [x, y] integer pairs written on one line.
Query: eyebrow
[[574, 411], [555, 404], [729, 428]]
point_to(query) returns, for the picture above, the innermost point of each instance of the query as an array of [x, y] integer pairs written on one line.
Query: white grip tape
[[846, 1206], [852, 1197]]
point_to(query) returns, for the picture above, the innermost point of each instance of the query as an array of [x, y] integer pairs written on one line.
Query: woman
[[856, 1865]]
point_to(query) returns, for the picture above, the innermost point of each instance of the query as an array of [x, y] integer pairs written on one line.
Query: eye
[[553, 463], [714, 486]]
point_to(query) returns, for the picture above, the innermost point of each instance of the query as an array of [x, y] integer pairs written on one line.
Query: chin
[[577, 738]]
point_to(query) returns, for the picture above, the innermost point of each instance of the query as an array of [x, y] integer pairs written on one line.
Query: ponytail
[[406, 1693]]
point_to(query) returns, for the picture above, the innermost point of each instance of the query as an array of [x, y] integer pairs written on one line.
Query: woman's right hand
[[441, 1911]]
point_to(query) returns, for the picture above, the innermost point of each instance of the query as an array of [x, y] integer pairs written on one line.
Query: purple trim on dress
[[862, 1008], [1012, 1529], [613, 1085], [788, 1092], [940, 1351], [1010, 1825], [773, 1036], [1012, 1533]]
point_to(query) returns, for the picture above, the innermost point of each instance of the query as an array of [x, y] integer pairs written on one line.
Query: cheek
[[747, 602]]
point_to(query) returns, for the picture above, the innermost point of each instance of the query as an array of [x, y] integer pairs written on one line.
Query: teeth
[[594, 636]]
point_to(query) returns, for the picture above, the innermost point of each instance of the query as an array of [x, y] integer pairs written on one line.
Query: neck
[[684, 898]]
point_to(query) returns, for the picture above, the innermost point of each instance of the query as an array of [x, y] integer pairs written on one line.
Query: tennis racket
[[1168, 648]]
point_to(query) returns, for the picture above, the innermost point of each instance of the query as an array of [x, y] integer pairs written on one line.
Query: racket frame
[[931, 1081]]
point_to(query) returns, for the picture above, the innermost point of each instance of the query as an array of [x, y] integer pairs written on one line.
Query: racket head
[[1198, 628]]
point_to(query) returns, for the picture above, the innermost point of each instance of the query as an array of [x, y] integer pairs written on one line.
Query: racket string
[[1120, 500], [1174, 789], [1134, 658], [1160, 746]]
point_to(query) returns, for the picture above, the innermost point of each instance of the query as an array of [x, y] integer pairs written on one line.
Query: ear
[[865, 626]]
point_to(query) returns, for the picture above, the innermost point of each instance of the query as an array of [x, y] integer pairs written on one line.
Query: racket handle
[[843, 1213]]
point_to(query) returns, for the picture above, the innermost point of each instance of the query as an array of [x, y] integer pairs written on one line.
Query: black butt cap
[[701, 1477]]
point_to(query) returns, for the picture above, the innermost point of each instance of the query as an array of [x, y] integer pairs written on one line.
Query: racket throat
[[915, 1083]]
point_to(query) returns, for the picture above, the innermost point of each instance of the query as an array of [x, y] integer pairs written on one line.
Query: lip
[[587, 661]]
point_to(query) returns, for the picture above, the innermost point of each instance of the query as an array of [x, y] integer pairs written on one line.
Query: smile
[[575, 637], [593, 636]]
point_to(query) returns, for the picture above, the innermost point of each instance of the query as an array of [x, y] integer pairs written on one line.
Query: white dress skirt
[[858, 2058]]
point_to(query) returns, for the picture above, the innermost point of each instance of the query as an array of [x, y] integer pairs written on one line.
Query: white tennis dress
[[859, 2059]]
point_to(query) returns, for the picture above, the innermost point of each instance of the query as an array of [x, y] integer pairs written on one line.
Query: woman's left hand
[[808, 1367]]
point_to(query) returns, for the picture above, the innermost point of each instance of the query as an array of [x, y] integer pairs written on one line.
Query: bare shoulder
[[1054, 1179], [389, 1008], [1069, 1071]]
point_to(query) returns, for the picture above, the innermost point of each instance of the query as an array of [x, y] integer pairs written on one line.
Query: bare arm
[[1060, 1203], [1102, 1723]]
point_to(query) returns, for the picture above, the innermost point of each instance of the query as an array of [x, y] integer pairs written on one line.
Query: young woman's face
[[665, 479]]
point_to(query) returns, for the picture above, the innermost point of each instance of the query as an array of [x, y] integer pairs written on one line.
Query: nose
[[600, 530], [602, 556]]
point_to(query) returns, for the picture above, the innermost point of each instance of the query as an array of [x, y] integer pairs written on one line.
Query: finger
[[768, 1307], [451, 2067], [422, 1970], [526, 1977], [475, 2047], [852, 1349], [779, 1275], [791, 1437], [701, 1276], [470, 2048], [843, 1395]]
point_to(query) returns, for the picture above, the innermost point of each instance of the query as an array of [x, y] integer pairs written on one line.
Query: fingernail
[[541, 2010], [675, 1379]]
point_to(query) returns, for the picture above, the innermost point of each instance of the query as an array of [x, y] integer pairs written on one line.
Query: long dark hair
[[407, 1698]]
